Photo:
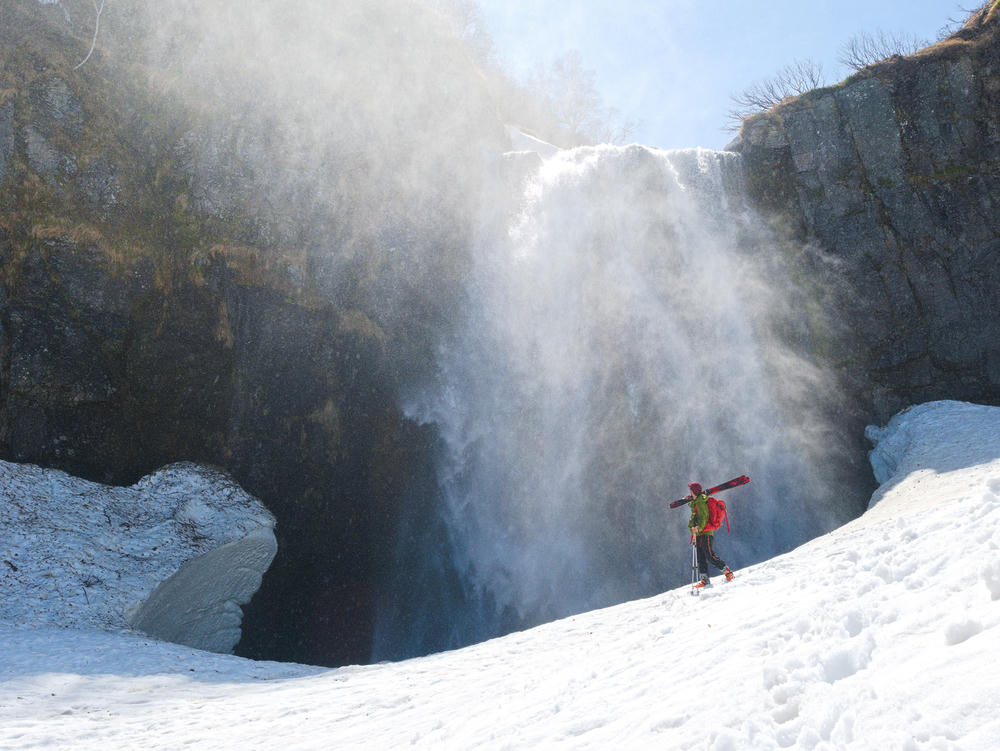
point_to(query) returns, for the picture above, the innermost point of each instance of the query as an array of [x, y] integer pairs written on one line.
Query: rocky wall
[[887, 186], [143, 324]]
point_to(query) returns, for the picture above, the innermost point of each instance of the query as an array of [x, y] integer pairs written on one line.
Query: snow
[[174, 555], [880, 635]]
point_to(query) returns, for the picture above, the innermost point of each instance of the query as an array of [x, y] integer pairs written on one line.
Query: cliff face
[[892, 180], [199, 264], [112, 368]]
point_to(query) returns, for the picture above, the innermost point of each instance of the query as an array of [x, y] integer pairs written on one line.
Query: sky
[[671, 65], [883, 634]]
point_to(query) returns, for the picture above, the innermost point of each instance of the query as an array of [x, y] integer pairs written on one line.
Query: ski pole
[[694, 561]]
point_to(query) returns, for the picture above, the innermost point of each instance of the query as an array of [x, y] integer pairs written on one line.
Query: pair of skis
[[734, 483]]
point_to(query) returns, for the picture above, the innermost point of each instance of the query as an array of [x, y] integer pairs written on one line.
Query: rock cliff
[[891, 180], [203, 260]]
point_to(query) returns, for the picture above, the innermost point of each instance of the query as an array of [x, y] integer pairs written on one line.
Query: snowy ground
[[884, 634]]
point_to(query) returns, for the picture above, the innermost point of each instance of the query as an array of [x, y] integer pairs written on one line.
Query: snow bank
[[175, 555], [933, 454], [883, 634]]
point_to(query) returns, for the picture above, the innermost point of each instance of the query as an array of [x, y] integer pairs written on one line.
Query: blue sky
[[673, 64]]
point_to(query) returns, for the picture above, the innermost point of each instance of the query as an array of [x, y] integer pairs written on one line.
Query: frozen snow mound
[[173, 556], [935, 452]]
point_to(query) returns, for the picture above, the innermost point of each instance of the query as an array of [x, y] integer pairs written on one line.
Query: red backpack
[[716, 513]]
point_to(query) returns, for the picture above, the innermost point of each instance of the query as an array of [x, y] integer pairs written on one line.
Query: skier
[[701, 537]]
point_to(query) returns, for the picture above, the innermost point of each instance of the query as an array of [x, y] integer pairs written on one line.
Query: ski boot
[[703, 583], [729, 574]]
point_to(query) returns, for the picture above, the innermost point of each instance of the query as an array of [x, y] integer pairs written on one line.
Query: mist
[[623, 337], [581, 336], [350, 134]]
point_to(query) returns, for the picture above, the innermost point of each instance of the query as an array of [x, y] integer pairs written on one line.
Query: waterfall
[[621, 338]]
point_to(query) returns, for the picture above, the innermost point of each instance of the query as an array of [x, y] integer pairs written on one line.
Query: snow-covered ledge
[[174, 555]]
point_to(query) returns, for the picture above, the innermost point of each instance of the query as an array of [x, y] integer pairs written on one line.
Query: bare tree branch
[[794, 79], [97, 26], [865, 49]]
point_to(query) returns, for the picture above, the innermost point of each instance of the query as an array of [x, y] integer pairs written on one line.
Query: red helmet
[[695, 487]]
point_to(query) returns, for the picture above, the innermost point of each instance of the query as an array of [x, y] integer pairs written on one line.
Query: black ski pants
[[703, 546]]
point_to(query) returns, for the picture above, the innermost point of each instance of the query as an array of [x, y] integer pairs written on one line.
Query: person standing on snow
[[702, 538]]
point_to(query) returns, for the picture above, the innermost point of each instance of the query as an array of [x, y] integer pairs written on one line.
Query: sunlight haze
[[672, 66]]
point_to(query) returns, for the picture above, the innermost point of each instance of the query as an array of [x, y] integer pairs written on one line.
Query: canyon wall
[[890, 181]]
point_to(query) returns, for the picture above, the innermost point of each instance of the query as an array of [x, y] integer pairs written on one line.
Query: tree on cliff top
[[794, 79], [858, 52], [865, 49], [570, 96]]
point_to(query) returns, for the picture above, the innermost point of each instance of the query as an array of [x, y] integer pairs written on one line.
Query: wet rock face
[[81, 343], [893, 177], [108, 373], [163, 298], [6, 137], [131, 337]]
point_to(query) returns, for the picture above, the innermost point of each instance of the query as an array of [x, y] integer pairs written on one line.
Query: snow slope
[[883, 634], [175, 555]]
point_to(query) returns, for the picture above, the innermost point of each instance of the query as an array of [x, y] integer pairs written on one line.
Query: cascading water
[[620, 340]]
